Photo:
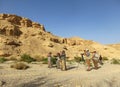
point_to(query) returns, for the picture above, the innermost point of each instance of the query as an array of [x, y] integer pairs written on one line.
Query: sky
[[97, 20]]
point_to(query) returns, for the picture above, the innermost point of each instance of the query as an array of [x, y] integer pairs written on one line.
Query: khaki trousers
[[63, 64]]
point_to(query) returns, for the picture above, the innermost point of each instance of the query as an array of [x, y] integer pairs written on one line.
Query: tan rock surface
[[20, 35]]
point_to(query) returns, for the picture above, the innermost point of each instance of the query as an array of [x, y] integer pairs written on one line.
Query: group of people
[[91, 56], [60, 60], [87, 56]]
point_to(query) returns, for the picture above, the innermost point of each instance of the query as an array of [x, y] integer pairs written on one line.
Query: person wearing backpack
[[49, 56], [82, 57], [58, 62], [101, 60], [63, 60]]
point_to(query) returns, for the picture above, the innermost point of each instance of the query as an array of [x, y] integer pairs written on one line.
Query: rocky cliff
[[19, 35]]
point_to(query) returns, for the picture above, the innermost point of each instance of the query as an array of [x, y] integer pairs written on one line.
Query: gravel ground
[[38, 75]]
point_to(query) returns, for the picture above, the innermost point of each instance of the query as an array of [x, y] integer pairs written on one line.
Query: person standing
[[63, 60], [82, 57], [49, 60], [101, 60], [87, 59], [58, 62], [95, 59]]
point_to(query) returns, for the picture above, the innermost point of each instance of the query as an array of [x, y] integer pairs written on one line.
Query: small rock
[[43, 82], [2, 83]]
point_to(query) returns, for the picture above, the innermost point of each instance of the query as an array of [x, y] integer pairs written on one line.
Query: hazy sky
[[97, 20]]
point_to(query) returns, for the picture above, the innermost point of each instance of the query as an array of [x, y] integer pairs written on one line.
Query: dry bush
[[115, 61], [19, 66], [105, 58]]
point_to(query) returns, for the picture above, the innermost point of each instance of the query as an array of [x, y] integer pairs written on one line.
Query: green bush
[[45, 60], [115, 61], [104, 58], [2, 60], [54, 60], [19, 66], [27, 58]]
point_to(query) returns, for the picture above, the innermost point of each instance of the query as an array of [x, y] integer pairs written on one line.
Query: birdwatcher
[[58, 62], [95, 59], [63, 61], [49, 59], [87, 59]]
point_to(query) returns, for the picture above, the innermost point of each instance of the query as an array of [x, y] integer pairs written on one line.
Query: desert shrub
[[2, 60], [104, 58], [115, 61], [19, 66], [45, 60], [77, 59], [54, 60], [27, 58]]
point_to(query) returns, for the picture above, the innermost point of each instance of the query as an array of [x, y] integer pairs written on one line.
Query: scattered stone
[[2, 83]]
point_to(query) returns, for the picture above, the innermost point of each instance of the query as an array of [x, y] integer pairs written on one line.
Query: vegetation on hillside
[[27, 58], [2, 60]]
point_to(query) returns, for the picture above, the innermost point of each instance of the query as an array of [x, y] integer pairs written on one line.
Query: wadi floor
[[38, 75]]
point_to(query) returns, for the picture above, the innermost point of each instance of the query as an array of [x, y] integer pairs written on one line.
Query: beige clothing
[[63, 64], [89, 57]]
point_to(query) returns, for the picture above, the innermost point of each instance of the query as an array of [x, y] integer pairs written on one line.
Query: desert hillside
[[19, 35], [116, 46]]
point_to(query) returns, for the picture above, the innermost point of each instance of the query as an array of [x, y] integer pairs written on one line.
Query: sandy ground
[[38, 75]]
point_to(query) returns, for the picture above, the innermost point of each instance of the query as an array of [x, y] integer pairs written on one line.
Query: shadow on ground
[[34, 83]]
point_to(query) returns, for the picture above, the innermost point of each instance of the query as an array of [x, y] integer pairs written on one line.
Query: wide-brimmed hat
[[87, 49], [94, 51]]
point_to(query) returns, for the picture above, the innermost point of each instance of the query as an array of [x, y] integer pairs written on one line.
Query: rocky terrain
[[38, 75], [116, 46], [19, 35]]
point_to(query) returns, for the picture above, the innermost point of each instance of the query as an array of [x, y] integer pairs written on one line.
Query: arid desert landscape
[[20, 36]]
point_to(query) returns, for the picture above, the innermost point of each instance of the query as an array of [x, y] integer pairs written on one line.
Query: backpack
[[96, 55], [87, 54]]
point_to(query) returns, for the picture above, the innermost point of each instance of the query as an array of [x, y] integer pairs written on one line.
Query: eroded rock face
[[37, 25], [56, 40], [9, 46], [10, 30], [20, 35], [26, 22], [11, 18], [20, 21], [13, 30]]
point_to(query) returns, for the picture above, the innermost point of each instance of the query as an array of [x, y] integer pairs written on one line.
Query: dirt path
[[38, 75]]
